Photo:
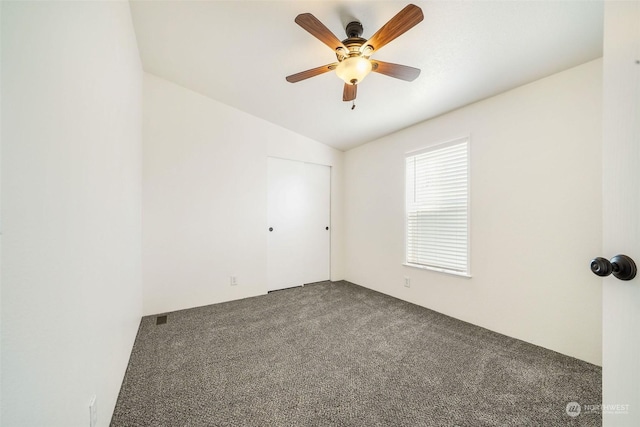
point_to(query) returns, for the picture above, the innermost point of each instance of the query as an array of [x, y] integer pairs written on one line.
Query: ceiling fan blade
[[406, 19], [349, 93], [319, 31], [398, 71], [294, 78]]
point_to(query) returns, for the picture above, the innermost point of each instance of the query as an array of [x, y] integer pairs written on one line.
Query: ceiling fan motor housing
[[352, 42], [354, 29]]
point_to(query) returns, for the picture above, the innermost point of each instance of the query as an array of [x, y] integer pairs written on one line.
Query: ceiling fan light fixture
[[354, 69], [353, 53]]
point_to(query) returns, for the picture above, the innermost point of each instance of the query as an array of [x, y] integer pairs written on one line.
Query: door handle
[[621, 266]]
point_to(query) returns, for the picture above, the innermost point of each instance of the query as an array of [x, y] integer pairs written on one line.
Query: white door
[[621, 213], [298, 220]]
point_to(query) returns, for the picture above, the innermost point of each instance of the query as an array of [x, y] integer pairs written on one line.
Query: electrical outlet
[[407, 282], [234, 280], [93, 412]]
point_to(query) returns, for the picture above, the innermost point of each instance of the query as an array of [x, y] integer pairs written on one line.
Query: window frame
[[433, 147]]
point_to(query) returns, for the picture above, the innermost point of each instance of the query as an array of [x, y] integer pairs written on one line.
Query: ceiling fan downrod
[[354, 29]]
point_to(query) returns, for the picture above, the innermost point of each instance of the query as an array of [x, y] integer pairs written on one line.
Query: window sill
[[438, 270]]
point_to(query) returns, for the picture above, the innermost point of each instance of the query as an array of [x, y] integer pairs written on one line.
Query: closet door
[[298, 219]]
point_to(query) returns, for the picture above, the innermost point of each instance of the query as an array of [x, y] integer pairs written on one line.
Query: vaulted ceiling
[[239, 52]]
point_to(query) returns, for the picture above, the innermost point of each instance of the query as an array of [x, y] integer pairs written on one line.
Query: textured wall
[[536, 213], [71, 209], [205, 197]]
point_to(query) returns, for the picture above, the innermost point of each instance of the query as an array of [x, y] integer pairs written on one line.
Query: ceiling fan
[[354, 52]]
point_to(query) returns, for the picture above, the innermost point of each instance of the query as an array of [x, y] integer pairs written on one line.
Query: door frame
[[620, 212]]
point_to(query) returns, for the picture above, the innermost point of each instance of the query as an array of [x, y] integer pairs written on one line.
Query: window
[[437, 207]]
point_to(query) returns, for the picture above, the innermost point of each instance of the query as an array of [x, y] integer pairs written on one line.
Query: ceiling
[[239, 52]]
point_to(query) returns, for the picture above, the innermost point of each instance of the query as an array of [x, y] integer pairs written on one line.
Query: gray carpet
[[337, 354]]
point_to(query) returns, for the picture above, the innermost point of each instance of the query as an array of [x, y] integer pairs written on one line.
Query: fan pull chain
[[353, 104]]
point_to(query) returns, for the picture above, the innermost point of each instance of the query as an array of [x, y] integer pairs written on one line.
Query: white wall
[[205, 197], [71, 209], [536, 214]]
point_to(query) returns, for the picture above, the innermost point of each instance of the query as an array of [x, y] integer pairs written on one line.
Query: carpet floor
[[338, 354]]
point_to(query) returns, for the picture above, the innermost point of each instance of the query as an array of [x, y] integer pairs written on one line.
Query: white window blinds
[[438, 207]]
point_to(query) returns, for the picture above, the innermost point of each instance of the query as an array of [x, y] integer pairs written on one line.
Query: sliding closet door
[[298, 220], [317, 236]]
